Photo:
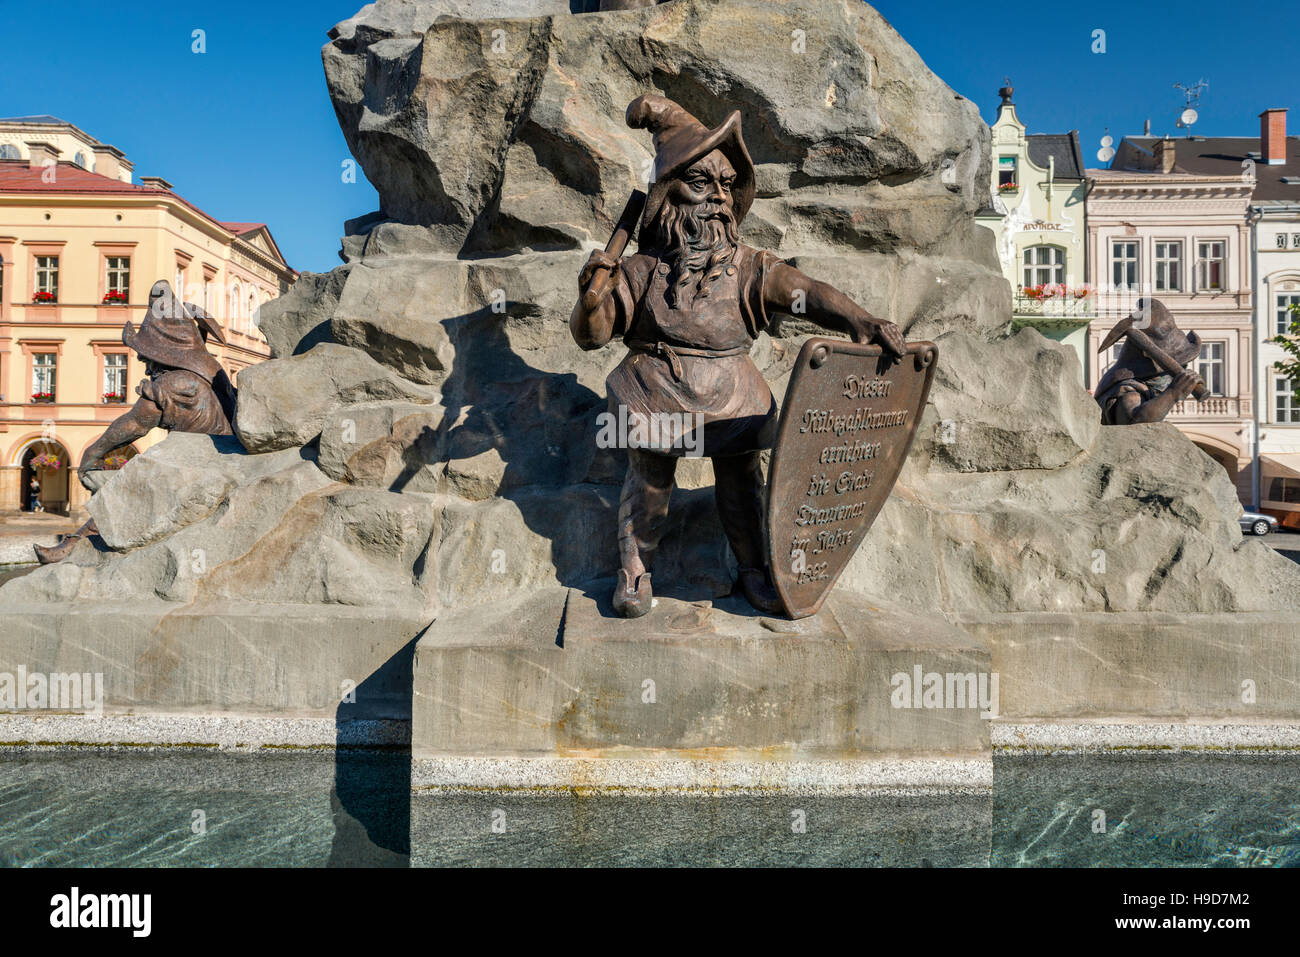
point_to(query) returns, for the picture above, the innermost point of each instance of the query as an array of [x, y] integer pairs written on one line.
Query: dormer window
[[1008, 182]]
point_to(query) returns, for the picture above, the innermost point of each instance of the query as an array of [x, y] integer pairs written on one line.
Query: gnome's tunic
[[695, 358], [188, 403], [1132, 374]]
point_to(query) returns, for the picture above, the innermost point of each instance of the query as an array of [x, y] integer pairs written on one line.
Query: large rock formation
[[424, 437]]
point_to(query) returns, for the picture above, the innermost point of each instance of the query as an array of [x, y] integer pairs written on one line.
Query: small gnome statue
[[1151, 373], [186, 391]]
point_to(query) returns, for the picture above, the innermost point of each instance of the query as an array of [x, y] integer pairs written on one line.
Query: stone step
[[225, 657], [556, 672], [1144, 664]]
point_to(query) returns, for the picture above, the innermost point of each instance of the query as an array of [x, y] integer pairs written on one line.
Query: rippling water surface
[[87, 807]]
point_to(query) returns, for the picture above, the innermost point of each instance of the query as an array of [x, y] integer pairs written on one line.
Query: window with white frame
[[252, 309], [1007, 181], [44, 367], [1044, 265], [115, 377], [1283, 315], [207, 294], [1210, 264], [118, 275], [9, 152], [233, 318], [1285, 408], [1124, 264], [1169, 267], [47, 276], [1210, 367], [180, 282]]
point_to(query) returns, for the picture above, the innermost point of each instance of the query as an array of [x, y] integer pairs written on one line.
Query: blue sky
[[246, 130]]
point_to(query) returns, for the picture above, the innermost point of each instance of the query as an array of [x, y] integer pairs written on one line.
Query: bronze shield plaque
[[847, 423]]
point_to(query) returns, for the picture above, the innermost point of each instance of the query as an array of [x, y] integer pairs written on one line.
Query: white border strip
[[1119, 735], [668, 774], [27, 729]]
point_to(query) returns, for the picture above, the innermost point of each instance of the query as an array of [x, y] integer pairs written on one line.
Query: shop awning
[[1283, 464]]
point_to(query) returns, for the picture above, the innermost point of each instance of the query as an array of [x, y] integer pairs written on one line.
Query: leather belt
[[670, 354]]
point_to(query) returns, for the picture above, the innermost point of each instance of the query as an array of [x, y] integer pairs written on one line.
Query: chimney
[[154, 182], [1165, 155], [108, 161], [1146, 128], [1272, 137], [41, 153]]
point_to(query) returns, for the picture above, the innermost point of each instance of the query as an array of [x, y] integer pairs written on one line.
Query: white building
[[68, 143], [1275, 216], [1267, 169], [1037, 217], [1168, 220]]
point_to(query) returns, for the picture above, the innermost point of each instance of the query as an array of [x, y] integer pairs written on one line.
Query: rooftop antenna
[[1192, 95]]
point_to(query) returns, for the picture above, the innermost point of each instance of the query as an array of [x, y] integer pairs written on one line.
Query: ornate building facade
[[1160, 226], [1038, 217], [79, 252]]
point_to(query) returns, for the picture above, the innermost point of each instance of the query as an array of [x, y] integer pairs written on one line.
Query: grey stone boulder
[[340, 545], [300, 319], [390, 313], [283, 403], [1007, 405], [173, 484], [1109, 531], [496, 145], [390, 445]]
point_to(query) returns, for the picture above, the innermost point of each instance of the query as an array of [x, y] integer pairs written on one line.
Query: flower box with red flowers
[[44, 298], [114, 397], [1008, 187], [42, 396], [115, 297]]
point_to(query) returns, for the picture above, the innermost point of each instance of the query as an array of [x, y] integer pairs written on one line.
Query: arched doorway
[[46, 461]]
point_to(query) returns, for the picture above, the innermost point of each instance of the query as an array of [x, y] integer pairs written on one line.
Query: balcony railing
[[1057, 306], [1214, 405]]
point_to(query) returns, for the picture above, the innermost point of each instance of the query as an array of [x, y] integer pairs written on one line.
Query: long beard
[[696, 248]]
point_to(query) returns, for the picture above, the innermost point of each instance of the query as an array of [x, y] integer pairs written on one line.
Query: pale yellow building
[[79, 252]]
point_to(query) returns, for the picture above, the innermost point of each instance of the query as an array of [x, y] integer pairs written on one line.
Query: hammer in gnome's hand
[[688, 305], [186, 391]]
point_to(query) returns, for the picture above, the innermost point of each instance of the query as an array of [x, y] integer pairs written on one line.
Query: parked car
[[1253, 523]]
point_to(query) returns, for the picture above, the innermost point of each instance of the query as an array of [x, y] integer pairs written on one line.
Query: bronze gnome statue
[[1150, 375], [688, 305], [186, 391]]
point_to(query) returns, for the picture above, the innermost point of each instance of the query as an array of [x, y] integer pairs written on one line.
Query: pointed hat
[[169, 335], [680, 139], [1162, 330]]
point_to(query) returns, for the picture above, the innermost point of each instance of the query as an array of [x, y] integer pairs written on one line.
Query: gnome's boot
[[642, 511], [739, 496], [48, 555]]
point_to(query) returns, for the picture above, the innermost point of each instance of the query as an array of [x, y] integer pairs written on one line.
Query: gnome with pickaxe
[[689, 305], [1151, 373]]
